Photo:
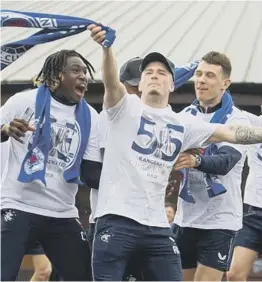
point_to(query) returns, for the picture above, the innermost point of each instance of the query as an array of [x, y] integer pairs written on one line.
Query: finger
[[18, 123], [185, 164], [171, 190], [16, 131], [195, 151], [16, 137], [96, 30], [100, 37], [91, 26], [181, 160], [181, 165], [22, 121], [30, 128], [183, 154]]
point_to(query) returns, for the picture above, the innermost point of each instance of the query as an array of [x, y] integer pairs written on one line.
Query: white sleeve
[[122, 108], [255, 120], [92, 151], [197, 132], [4, 149], [103, 128], [13, 108]]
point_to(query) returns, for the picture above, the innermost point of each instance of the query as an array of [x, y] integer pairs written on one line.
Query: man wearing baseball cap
[[157, 57], [130, 75]]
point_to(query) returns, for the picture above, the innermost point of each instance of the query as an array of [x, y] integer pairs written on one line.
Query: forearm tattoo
[[247, 134]]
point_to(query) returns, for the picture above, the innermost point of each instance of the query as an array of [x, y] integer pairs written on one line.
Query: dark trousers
[[118, 239], [134, 266], [63, 240]]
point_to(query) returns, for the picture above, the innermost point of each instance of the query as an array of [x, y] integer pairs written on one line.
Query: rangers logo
[[10, 54], [35, 162], [17, 19]]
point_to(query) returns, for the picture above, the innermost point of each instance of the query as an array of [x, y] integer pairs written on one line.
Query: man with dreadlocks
[[52, 133]]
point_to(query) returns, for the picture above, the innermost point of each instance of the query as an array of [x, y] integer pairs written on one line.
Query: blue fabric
[[53, 26], [184, 73], [213, 184], [34, 163]]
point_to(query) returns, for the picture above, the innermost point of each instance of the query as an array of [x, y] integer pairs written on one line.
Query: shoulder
[[102, 116], [238, 116], [188, 119], [93, 111], [24, 97], [188, 108], [254, 119], [94, 117]]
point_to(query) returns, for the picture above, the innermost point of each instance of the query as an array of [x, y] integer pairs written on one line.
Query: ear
[[139, 86], [61, 76], [227, 83], [172, 86]]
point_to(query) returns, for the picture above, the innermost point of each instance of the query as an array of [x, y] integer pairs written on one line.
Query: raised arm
[[114, 89], [236, 134]]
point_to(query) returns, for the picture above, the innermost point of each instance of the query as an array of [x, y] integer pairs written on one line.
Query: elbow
[[222, 163], [228, 164], [224, 171]]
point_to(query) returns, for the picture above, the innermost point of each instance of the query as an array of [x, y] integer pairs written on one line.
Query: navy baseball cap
[[130, 71], [157, 57]]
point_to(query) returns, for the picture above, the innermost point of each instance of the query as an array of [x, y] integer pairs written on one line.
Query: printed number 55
[[153, 143]]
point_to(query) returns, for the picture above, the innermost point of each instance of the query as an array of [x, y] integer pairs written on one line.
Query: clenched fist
[[16, 129], [97, 33]]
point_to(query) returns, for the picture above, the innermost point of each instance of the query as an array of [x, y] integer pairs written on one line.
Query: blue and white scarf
[[53, 26], [184, 73], [34, 163], [213, 184]]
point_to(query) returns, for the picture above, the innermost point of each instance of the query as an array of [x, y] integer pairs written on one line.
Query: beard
[[154, 92]]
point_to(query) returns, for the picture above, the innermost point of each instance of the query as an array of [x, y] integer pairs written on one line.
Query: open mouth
[[80, 90]]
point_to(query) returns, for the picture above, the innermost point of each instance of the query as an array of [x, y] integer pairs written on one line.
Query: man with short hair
[[53, 142], [144, 140], [130, 76], [248, 243], [206, 224]]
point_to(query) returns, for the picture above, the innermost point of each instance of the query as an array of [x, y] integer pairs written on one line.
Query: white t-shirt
[[223, 211], [4, 156], [253, 189], [57, 198], [142, 144]]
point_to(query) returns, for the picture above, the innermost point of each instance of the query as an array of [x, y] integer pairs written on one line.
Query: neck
[[59, 97], [210, 103], [154, 101]]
